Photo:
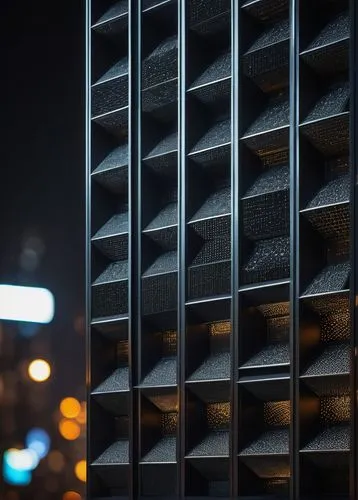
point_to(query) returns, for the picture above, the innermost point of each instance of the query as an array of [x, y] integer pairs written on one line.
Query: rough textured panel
[[118, 9], [112, 172], [216, 250], [332, 279], [161, 100], [166, 263], [270, 260], [332, 103], [110, 299], [162, 64], [201, 11], [215, 444], [208, 280], [169, 422], [114, 272], [118, 453], [168, 216], [335, 409], [336, 191], [212, 229], [117, 382], [163, 451], [335, 30], [277, 353], [111, 91], [270, 442], [115, 122], [277, 114], [218, 416], [277, 413], [333, 438], [330, 136], [218, 203], [215, 367], [266, 10], [217, 136], [266, 216], [163, 373], [335, 359], [118, 224], [167, 145], [332, 222], [159, 293], [220, 68], [276, 178], [274, 34]]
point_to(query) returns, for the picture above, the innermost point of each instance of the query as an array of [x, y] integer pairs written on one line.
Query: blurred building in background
[[42, 365]]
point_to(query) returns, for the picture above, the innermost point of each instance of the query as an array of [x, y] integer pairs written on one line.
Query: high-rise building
[[221, 158]]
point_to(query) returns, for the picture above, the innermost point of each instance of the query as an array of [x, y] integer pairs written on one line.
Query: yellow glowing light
[[70, 407], [71, 495], [81, 470], [69, 429], [39, 370], [82, 416]]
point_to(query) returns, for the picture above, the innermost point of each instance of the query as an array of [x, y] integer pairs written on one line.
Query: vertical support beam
[[294, 251], [353, 62], [88, 236], [134, 247], [235, 236], [182, 240]]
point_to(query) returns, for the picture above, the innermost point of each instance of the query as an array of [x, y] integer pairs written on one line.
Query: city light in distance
[[39, 441], [69, 429], [70, 407], [39, 370], [11, 475], [81, 470], [22, 460], [71, 495], [25, 303]]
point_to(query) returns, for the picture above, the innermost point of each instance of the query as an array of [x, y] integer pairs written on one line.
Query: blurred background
[[42, 210]]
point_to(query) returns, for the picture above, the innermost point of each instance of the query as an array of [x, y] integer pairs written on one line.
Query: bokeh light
[[81, 470], [71, 495], [69, 429], [13, 476], [82, 416], [25, 303], [39, 370], [56, 461], [39, 441], [70, 407], [22, 459]]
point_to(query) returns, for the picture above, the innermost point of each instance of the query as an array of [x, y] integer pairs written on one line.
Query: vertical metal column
[[88, 235], [182, 243], [134, 284], [353, 61], [294, 249], [235, 225]]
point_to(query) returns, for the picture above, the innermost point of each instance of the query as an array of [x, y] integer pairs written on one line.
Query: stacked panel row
[[207, 260], [109, 409], [324, 225], [158, 260], [264, 255]]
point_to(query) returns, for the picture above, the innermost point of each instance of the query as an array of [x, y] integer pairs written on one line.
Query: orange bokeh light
[[82, 416], [71, 495], [81, 470], [69, 429], [70, 407]]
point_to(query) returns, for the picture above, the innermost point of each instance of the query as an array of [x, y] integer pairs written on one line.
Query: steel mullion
[[134, 284], [182, 241], [235, 237], [294, 251], [353, 61]]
